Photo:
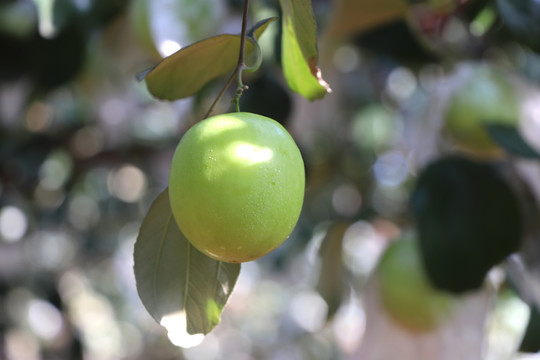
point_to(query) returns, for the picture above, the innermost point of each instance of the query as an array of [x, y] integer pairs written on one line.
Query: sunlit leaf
[[510, 139], [352, 17], [183, 289], [186, 71], [299, 54]]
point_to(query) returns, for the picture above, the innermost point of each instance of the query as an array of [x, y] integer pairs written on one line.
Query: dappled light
[[127, 183], [95, 96], [176, 325], [168, 47], [13, 223], [251, 154]]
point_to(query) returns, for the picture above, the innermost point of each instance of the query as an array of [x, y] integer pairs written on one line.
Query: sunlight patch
[[252, 154], [176, 326]]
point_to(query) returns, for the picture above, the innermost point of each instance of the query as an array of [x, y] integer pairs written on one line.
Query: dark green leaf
[[531, 340], [331, 281], [299, 50], [468, 219], [522, 18], [178, 285], [510, 139], [257, 30], [185, 72]]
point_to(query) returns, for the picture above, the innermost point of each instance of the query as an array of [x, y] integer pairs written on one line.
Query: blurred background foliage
[[84, 150]]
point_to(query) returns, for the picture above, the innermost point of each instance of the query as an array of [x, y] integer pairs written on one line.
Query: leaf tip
[[317, 74], [142, 74]]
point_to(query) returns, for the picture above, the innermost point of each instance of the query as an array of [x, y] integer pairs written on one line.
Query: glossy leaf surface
[[185, 72], [174, 280], [299, 50]]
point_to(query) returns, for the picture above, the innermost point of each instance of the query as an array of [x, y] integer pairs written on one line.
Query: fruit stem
[[238, 71]]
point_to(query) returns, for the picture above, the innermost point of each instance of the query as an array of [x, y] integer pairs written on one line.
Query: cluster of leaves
[[57, 33], [172, 276], [460, 240], [471, 214]]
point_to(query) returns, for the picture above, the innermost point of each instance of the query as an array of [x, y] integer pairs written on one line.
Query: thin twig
[[240, 66], [220, 95], [241, 55]]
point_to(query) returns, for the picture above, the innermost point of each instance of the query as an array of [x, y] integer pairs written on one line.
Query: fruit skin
[[405, 290], [486, 97], [236, 186]]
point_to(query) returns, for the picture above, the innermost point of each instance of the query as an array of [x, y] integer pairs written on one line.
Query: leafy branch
[[239, 69]]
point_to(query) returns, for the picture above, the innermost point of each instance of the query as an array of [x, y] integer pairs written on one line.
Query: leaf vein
[[158, 261]]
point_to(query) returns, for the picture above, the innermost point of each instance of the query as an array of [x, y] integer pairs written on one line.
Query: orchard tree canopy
[[270, 179]]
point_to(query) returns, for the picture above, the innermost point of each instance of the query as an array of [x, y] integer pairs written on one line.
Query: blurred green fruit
[[484, 98], [236, 186], [405, 291]]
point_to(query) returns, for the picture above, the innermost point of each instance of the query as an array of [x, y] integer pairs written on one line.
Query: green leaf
[[331, 279], [511, 140], [469, 219], [299, 50], [186, 71], [183, 289], [522, 18], [531, 339]]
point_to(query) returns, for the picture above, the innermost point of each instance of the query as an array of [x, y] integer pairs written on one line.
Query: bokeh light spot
[[127, 183], [391, 168], [349, 325], [55, 170], [346, 59], [401, 83], [39, 116], [308, 310], [84, 212], [88, 141], [346, 200], [362, 246], [44, 319], [13, 223], [168, 47], [52, 249]]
